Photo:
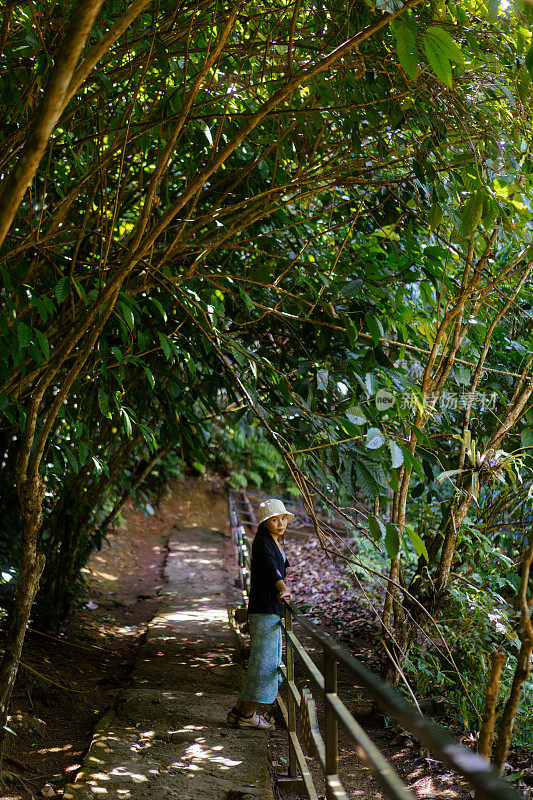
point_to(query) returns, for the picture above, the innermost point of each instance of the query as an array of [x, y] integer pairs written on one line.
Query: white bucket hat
[[272, 508]]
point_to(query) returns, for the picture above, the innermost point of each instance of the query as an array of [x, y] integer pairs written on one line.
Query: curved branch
[[48, 113]]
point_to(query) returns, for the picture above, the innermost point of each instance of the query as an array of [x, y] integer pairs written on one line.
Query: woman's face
[[277, 525]]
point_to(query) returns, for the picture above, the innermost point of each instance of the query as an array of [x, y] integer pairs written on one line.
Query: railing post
[[332, 728], [291, 710]]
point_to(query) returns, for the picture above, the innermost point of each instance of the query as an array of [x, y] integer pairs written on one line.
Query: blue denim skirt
[[263, 675]]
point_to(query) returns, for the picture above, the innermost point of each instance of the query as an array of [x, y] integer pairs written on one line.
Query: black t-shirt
[[269, 565]]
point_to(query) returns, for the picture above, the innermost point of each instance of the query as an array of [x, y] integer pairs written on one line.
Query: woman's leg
[[246, 707]]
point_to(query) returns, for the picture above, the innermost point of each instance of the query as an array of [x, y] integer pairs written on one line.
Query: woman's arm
[[283, 592]]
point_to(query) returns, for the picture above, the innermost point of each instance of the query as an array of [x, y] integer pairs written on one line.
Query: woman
[[265, 609]]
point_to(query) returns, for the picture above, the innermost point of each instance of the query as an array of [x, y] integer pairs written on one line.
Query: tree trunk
[[31, 566], [486, 734], [523, 664], [505, 728], [69, 554]]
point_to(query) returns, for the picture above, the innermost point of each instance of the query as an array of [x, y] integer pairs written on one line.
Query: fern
[[238, 481], [246, 456]]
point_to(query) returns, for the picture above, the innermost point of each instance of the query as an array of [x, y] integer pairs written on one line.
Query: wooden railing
[[321, 741]]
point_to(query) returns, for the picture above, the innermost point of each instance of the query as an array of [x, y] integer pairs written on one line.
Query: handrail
[[487, 783]]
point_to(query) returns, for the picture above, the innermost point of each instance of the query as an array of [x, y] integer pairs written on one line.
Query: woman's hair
[[262, 527]]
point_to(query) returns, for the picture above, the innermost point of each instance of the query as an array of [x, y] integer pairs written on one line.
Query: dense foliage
[[285, 225]]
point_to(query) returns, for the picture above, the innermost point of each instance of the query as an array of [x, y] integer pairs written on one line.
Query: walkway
[[167, 737]]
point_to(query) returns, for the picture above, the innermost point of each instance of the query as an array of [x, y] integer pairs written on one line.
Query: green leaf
[[418, 490], [100, 465], [493, 6], [446, 475], [374, 327], [439, 62], [443, 41], [41, 307], [43, 343], [462, 374], [435, 216], [351, 330], [127, 314], [23, 334], [471, 214], [461, 158], [322, 379], [203, 125], [406, 48], [165, 344], [526, 438], [58, 461], [80, 291], [524, 85], [36, 353], [475, 486], [389, 6], [392, 540], [127, 421], [159, 307], [62, 289], [191, 364], [73, 461], [529, 61], [374, 439], [370, 384], [396, 455], [376, 528], [353, 288], [490, 206], [83, 452], [355, 416], [418, 544], [149, 375], [103, 402], [367, 481]]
